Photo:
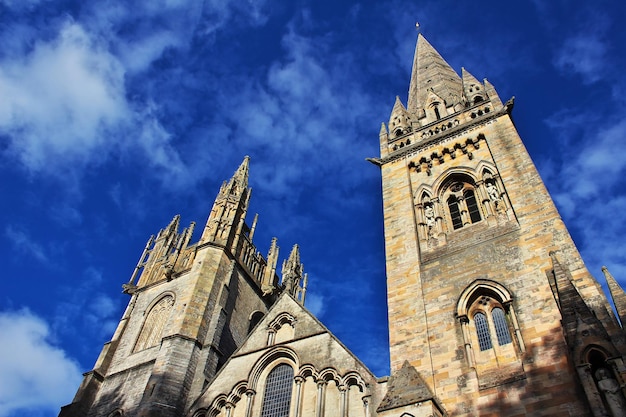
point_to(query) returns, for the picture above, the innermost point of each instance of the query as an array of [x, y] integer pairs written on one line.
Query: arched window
[[482, 331], [255, 318], [277, 396], [463, 208], [490, 316], [472, 206], [502, 329], [152, 330], [489, 325], [455, 213]]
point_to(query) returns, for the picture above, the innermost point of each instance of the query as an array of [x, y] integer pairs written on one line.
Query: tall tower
[[488, 297], [191, 306]]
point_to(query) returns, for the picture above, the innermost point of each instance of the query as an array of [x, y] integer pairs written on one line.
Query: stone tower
[[489, 299], [191, 306]]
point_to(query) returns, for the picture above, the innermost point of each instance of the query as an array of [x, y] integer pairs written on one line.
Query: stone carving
[[611, 392], [494, 194], [429, 213]]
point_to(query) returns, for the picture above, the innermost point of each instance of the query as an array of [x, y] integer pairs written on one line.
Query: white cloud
[[34, 374], [60, 101], [25, 244]]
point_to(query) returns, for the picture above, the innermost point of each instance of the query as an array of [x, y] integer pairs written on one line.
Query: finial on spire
[[417, 26]]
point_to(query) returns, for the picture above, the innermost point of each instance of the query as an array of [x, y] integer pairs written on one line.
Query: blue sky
[[115, 117]]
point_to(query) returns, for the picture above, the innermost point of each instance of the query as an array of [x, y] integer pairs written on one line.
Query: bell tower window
[[472, 206], [463, 207], [455, 213]]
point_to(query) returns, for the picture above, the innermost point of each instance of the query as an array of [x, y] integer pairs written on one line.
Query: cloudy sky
[[117, 115]]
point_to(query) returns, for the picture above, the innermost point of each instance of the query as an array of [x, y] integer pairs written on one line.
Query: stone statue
[[611, 392], [492, 190], [429, 213]]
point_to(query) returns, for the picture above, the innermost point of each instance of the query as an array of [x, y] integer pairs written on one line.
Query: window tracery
[[154, 324], [460, 197]]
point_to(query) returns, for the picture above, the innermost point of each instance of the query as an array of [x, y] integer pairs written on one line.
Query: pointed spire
[[431, 71], [239, 180], [226, 220], [573, 307], [400, 120], [492, 94], [268, 283], [617, 295], [473, 89], [292, 271]]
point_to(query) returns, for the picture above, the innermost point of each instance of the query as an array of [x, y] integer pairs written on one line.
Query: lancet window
[[152, 329]]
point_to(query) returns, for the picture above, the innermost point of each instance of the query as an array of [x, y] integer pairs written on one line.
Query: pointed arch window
[[502, 329], [460, 196], [152, 330], [482, 331], [277, 396], [472, 206], [489, 324], [455, 212]]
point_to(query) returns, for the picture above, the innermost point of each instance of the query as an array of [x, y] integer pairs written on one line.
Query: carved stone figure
[[611, 392], [429, 213], [492, 190]]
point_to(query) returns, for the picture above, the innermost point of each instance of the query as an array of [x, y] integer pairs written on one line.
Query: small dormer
[[434, 108]]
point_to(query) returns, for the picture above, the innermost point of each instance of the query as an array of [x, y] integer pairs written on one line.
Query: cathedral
[[491, 309]]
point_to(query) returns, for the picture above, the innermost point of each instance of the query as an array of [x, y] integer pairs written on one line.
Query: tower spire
[[617, 295], [292, 273], [432, 73], [229, 209]]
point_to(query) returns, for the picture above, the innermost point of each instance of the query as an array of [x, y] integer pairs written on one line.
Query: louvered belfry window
[[277, 397]]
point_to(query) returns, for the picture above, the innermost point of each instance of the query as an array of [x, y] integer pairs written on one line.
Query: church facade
[[491, 309]]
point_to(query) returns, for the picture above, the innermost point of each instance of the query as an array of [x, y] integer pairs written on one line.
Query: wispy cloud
[[583, 54], [24, 243], [86, 310], [34, 374]]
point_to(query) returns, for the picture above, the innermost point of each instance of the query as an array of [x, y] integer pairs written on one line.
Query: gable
[[288, 335]]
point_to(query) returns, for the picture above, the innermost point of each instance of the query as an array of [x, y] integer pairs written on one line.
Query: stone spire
[[617, 295], [229, 209], [400, 120], [292, 272], [579, 321], [432, 72], [268, 284], [239, 181], [472, 88]]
